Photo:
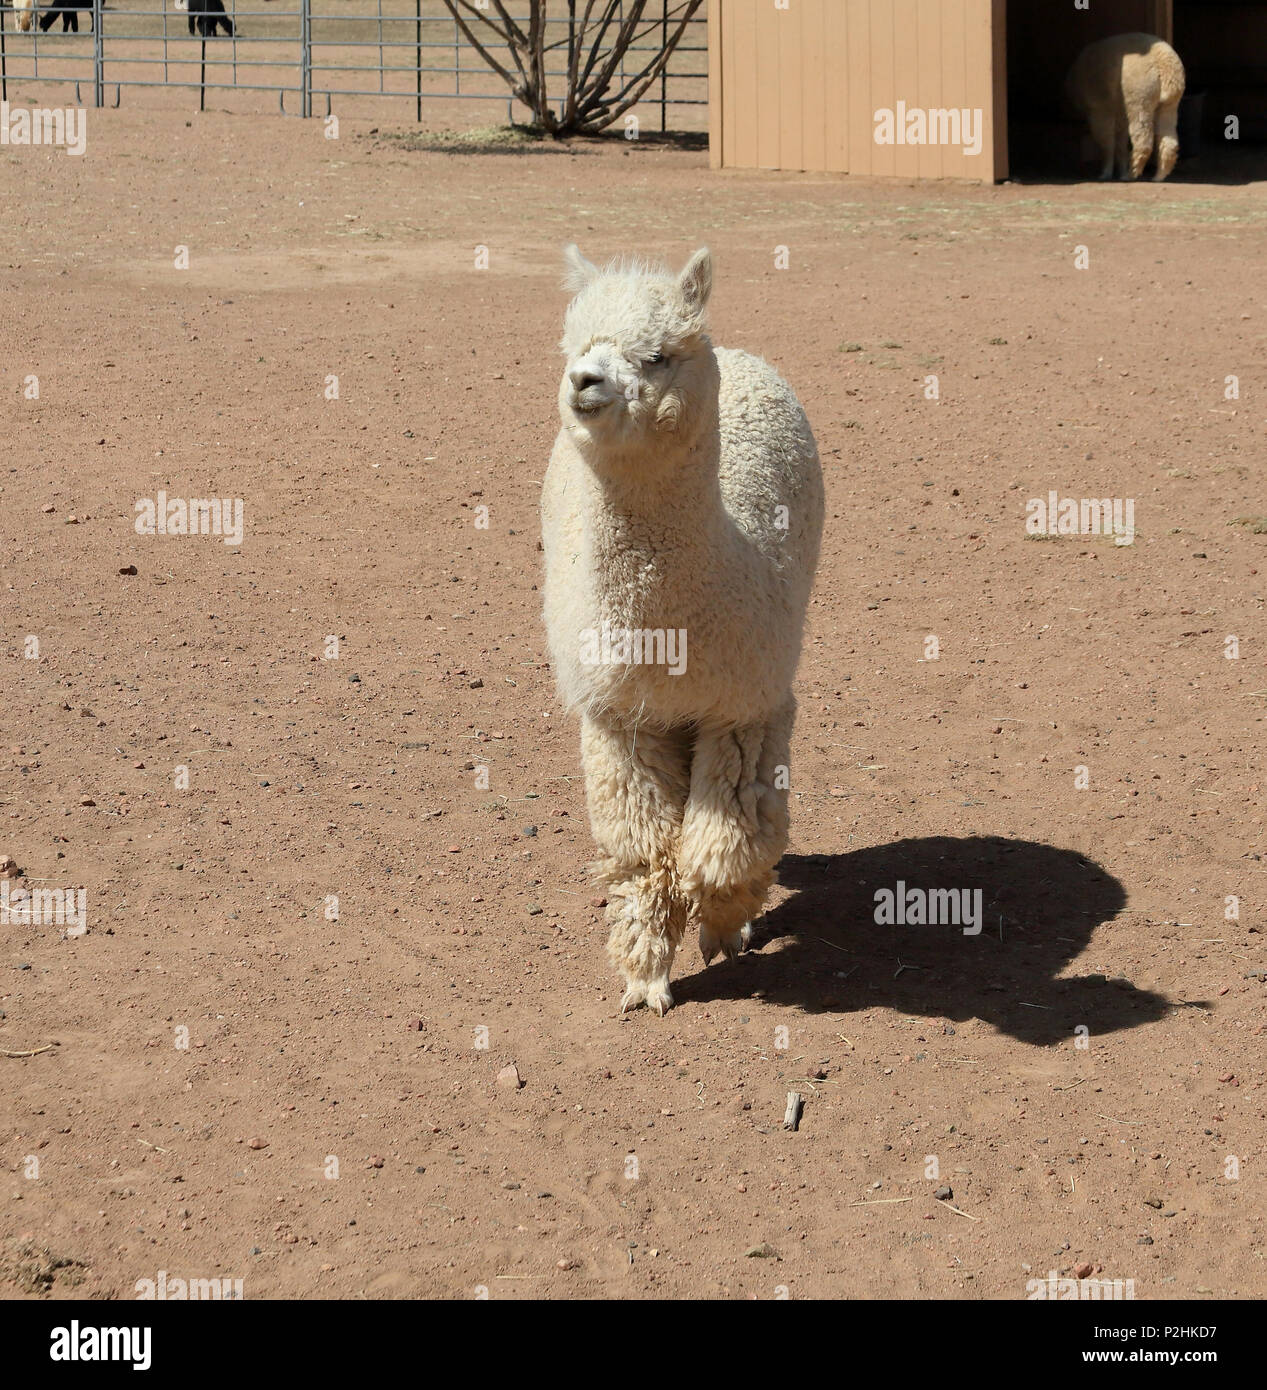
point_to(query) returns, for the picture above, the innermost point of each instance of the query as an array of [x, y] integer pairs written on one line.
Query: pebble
[[509, 1077], [257, 1143], [943, 1194]]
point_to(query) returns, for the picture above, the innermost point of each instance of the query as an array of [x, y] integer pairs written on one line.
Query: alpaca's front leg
[[735, 828], [636, 783]]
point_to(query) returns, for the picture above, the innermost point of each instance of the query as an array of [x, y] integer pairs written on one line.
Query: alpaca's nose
[[582, 378]]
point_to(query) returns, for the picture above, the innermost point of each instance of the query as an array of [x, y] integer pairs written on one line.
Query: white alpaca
[[681, 516], [1128, 87], [24, 13]]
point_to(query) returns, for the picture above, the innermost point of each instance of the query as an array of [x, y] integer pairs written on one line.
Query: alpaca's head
[[638, 359]]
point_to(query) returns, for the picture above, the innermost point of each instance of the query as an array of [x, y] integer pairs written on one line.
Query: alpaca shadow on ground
[[1040, 906]]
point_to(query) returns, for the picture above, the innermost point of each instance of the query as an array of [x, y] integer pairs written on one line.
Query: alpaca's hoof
[[731, 945], [653, 993], [659, 998]]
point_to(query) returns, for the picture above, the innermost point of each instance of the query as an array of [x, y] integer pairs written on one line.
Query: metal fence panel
[[394, 49]]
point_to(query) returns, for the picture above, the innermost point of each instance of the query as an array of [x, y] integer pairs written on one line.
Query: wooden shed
[[910, 88]]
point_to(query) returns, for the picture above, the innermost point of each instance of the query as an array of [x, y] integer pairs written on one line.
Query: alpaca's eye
[[655, 360]]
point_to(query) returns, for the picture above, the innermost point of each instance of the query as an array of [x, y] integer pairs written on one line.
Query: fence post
[[4, 71], [98, 58], [305, 58], [664, 73], [418, 59]]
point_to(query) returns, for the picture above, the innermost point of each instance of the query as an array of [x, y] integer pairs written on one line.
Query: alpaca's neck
[[674, 482], [647, 530], [667, 473]]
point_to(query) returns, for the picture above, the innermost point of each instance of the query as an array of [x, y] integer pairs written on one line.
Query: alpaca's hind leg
[[735, 827], [636, 783], [1141, 131], [1167, 139], [1122, 147], [1104, 133]]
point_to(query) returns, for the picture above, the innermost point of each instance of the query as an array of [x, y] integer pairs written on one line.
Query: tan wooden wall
[[798, 88]]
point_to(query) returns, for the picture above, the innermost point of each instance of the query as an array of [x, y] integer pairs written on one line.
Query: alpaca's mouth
[[585, 404]]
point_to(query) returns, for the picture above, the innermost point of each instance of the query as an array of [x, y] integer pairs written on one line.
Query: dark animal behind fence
[[204, 15], [69, 11]]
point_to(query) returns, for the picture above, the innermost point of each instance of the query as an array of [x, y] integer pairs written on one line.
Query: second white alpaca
[[1129, 88], [681, 517]]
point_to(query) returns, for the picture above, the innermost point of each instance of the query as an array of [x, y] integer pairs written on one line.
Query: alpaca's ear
[[696, 281], [578, 272]]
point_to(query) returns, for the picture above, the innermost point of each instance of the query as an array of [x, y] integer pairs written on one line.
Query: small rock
[[257, 1143], [568, 1263], [1083, 1271], [128, 569], [764, 1251], [476, 684], [943, 1194], [509, 1077], [535, 909]]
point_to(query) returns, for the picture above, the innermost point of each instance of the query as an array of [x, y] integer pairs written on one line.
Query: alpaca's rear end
[[1128, 87]]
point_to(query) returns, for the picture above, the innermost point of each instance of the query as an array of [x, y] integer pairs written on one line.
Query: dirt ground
[[228, 1083]]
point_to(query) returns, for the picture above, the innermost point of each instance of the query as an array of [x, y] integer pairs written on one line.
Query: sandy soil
[[215, 1049]]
